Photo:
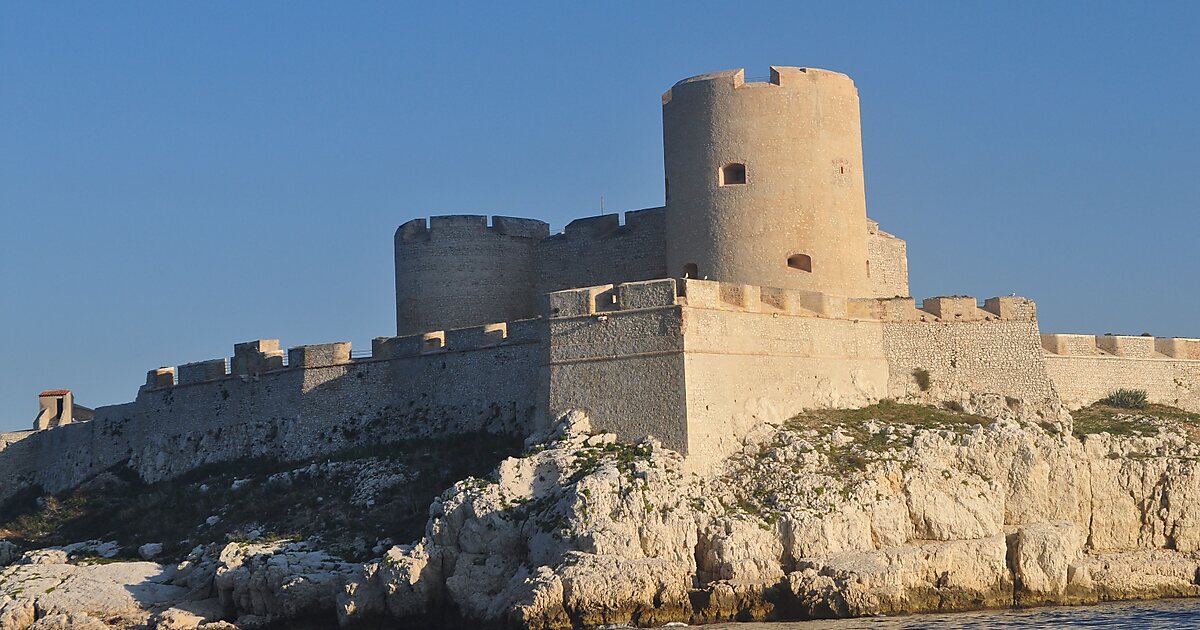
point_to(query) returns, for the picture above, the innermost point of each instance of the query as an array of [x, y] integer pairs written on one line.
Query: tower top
[[781, 76]]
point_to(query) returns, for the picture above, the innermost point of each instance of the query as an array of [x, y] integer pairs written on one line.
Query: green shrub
[[1126, 399], [921, 376]]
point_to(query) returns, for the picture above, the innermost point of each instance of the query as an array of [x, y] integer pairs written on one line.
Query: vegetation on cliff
[[346, 502]]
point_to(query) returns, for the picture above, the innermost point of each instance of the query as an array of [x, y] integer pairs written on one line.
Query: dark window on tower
[[803, 262], [733, 173], [60, 407], [690, 270]]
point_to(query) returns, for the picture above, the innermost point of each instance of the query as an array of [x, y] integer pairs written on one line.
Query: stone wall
[[1086, 368], [887, 262], [618, 353], [963, 349], [599, 250], [470, 380], [752, 355], [698, 363]]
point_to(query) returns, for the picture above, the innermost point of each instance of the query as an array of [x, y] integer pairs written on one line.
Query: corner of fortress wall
[[1088, 368], [699, 363], [320, 402]]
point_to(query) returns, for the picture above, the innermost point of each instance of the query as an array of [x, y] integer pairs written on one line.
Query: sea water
[[1163, 613]]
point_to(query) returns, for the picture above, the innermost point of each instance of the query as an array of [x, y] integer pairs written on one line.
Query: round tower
[[765, 180], [458, 272]]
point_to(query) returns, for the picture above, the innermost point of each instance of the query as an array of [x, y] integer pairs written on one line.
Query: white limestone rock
[[74, 595], [149, 551], [1042, 558], [278, 581], [9, 553], [189, 615]]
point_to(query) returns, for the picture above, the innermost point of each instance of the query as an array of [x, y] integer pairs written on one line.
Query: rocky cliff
[[892, 508]]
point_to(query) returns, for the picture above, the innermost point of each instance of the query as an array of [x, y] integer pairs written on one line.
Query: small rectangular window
[[803, 262], [733, 174]]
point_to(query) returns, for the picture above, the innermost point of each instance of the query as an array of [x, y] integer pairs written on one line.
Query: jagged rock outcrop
[[239, 585], [260, 583], [889, 509], [826, 516]]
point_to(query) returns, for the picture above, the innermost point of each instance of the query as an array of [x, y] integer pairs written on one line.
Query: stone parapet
[[953, 308], [319, 355], [256, 357], [1125, 346], [1077, 345], [732, 296], [201, 371], [897, 309], [1011, 307], [1134, 347], [160, 377], [457, 225], [1178, 347]]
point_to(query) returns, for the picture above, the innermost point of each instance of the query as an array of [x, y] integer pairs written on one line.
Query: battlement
[[780, 76], [200, 371], [1143, 347], [607, 298], [459, 225], [256, 357], [319, 355], [250, 359], [1178, 347], [613, 224], [457, 340], [731, 296]]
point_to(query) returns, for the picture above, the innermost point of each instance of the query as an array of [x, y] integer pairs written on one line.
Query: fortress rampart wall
[[622, 361], [457, 271], [887, 262], [600, 250], [757, 362], [1087, 368], [963, 349], [725, 356], [321, 402]]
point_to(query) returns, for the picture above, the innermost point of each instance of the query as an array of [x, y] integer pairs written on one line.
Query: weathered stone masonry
[[474, 379], [698, 363], [1088, 368]]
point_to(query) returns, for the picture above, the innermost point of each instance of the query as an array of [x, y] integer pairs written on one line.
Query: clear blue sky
[[176, 177]]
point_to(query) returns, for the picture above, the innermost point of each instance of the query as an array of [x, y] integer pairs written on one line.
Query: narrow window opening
[[732, 174], [60, 407], [690, 270], [803, 262], [868, 269]]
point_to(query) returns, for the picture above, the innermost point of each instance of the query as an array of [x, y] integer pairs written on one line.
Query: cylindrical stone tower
[[458, 272], [765, 181]]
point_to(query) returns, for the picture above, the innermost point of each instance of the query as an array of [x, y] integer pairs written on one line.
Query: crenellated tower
[[458, 271], [765, 181]]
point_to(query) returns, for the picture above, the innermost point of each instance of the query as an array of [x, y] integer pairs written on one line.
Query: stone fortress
[[761, 289]]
